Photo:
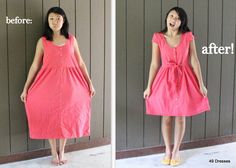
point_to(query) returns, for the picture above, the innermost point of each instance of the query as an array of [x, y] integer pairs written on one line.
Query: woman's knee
[[167, 119], [180, 119]]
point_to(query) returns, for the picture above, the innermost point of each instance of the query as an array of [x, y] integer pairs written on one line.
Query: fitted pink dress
[[175, 90], [58, 101]]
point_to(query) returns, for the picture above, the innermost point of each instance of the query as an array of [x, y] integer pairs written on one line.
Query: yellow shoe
[[174, 162], [165, 161]]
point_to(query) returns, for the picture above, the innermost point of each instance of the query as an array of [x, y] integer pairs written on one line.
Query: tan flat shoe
[[165, 161], [175, 162]]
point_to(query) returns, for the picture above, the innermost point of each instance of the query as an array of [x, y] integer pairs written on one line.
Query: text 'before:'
[[18, 20]]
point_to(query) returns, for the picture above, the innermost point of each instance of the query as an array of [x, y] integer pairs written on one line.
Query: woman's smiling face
[[55, 21], [173, 21]]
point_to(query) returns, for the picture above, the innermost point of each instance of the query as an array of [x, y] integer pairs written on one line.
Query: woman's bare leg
[[62, 144], [166, 133], [53, 145], [180, 123]]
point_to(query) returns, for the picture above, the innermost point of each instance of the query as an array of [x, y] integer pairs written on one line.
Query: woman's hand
[[146, 93], [23, 96], [203, 90], [92, 90]]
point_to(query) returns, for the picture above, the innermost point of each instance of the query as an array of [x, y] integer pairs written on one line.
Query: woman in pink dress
[[58, 100], [175, 88]]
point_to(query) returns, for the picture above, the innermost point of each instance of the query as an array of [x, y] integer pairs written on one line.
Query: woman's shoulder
[[41, 40], [188, 35], [73, 40], [157, 37], [158, 34], [72, 37], [40, 43]]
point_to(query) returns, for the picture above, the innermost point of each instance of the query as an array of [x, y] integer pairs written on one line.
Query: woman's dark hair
[[183, 18], [65, 27]]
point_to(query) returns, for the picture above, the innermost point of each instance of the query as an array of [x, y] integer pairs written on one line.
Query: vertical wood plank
[[227, 80], [234, 115], [152, 130], [34, 32], [214, 68], [4, 101], [97, 66], [83, 36], [16, 56], [121, 76], [135, 71], [107, 84], [200, 32]]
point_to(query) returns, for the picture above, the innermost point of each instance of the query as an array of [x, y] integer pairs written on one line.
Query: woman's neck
[[56, 33], [172, 33]]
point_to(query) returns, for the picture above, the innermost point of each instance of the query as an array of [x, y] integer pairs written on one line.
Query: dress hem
[[60, 137], [202, 110]]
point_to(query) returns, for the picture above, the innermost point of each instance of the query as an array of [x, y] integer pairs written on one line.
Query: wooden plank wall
[[137, 20], [90, 23]]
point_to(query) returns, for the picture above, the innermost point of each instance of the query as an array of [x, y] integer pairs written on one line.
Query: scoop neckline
[[181, 37], [60, 45]]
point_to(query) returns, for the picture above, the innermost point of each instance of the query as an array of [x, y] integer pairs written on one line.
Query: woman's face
[[173, 21], [55, 21]]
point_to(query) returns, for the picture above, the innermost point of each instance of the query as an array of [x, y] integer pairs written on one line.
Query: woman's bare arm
[[83, 67], [155, 64], [34, 68], [196, 66], [195, 62]]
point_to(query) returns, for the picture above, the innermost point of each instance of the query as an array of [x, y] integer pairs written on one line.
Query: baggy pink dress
[[175, 90], [58, 101]]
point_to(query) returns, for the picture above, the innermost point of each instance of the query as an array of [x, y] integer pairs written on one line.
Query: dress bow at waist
[[174, 75]]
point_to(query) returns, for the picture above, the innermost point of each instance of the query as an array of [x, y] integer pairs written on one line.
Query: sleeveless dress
[[175, 90], [58, 101]]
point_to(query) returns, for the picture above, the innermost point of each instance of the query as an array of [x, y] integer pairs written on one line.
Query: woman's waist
[[59, 67], [175, 64]]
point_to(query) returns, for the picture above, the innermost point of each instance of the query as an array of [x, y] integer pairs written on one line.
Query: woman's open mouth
[[172, 25]]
